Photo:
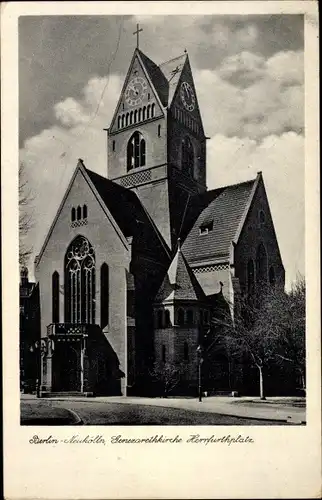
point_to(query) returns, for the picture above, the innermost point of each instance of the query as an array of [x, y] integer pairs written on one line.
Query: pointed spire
[[179, 244], [80, 163], [180, 282]]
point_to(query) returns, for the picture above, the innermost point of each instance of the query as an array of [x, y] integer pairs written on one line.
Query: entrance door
[[67, 368]]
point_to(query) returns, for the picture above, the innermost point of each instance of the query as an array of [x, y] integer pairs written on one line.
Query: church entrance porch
[[78, 359]]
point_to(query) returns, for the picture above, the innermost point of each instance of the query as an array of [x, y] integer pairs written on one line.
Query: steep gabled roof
[[223, 212], [123, 203], [172, 70], [129, 213], [179, 283], [164, 77], [157, 78]]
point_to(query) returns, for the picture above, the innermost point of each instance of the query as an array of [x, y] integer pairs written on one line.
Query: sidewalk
[[279, 409], [246, 407]]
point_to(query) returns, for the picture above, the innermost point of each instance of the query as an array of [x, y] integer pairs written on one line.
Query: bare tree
[[25, 217], [284, 315], [244, 339], [167, 376], [269, 329]]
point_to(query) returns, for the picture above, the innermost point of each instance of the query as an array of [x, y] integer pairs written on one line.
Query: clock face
[[187, 96], [136, 91]]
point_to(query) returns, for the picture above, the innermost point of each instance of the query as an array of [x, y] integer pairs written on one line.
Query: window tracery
[[80, 282]]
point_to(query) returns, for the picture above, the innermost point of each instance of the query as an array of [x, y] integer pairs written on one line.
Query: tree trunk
[[302, 379], [261, 383]]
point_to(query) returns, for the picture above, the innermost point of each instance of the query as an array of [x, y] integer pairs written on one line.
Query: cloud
[[50, 157], [70, 112], [249, 96], [247, 36], [287, 67], [281, 160], [247, 129], [242, 69], [207, 38], [59, 54]]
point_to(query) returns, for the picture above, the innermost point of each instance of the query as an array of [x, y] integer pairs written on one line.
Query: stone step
[[225, 393], [65, 394]]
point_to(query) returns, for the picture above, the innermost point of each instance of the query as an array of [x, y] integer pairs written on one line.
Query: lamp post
[[37, 349], [41, 349], [200, 361], [82, 354]]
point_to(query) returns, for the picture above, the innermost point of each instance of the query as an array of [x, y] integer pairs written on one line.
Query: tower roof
[[157, 77], [180, 283], [172, 70], [166, 76]]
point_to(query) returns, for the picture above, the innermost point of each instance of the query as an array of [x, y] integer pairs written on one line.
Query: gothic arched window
[[119, 122], [186, 351], [136, 151], [80, 282], [261, 217], [135, 116], [140, 114], [123, 120], [261, 265], [73, 214], [144, 113], [84, 211], [167, 318], [160, 318], [148, 111], [104, 295], [131, 117], [79, 213], [250, 277], [189, 317], [163, 353], [187, 156], [271, 276], [152, 110], [55, 297], [180, 316]]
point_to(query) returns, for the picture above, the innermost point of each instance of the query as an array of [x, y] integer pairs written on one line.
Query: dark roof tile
[[157, 77], [224, 207]]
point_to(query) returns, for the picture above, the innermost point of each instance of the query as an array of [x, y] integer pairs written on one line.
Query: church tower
[[156, 141]]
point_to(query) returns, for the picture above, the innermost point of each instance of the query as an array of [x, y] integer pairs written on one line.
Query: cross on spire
[[137, 35]]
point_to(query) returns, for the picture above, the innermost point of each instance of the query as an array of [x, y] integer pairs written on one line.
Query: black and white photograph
[[162, 220], [160, 239]]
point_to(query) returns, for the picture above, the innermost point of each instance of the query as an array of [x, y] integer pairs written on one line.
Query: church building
[[137, 262]]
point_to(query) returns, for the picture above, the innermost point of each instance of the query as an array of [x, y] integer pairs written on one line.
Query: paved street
[[140, 411]]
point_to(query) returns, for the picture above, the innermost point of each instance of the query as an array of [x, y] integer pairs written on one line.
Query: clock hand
[[132, 87]]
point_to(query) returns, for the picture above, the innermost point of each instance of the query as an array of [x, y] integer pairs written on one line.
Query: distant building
[[29, 332], [136, 264]]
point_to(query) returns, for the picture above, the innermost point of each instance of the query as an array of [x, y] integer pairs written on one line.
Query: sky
[[249, 79]]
